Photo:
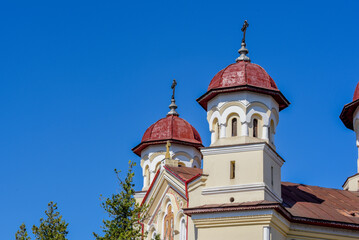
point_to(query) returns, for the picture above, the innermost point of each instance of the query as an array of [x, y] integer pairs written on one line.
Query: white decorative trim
[[241, 188], [233, 214], [243, 148], [322, 230], [232, 149], [141, 194], [233, 188]]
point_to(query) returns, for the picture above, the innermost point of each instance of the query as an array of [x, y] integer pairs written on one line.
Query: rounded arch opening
[[256, 126], [233, 125], [215, 131], [168, 223], [271, 131]]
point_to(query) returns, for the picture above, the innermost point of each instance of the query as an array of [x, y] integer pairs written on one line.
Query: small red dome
[[349, 109], [171, 128], [356, 93], [243, 76], [242, 73]]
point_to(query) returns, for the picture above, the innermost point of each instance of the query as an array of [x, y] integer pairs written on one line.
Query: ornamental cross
[[174, 84], [168, 145], [244, 29]]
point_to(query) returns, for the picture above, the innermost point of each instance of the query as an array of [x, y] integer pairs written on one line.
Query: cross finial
[[174, 84], [168, 155], [244, 29], [173, 105], [243, 51]]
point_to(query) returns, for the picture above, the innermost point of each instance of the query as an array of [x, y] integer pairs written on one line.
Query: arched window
[[255, 127], [234, 127], [168, 228], [183, 231], [154, 234], [215, 132]]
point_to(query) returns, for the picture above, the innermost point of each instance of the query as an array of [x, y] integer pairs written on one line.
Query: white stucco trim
[[243, 148], [231, 214], [232, 149], [298, 227], [141, 194], [241, 188], [266, 233]]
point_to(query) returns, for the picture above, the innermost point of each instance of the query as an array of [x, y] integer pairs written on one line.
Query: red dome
[[172, 128], [356, 93], [242, 73], [241, 76], [348, 110]]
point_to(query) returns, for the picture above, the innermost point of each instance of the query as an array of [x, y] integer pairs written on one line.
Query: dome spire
[[173, 105], [243, 51]]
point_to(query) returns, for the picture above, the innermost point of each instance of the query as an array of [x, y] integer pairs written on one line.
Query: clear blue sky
[[82, 80]]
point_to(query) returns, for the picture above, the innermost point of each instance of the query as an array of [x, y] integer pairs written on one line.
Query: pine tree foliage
[[21, 234], [53, 227], [124, 213]]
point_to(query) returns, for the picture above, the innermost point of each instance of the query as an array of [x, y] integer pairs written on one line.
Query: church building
[[232, 189]]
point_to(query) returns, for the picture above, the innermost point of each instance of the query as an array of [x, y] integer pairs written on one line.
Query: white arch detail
[[213, 117], [257, 110], [231, 110]]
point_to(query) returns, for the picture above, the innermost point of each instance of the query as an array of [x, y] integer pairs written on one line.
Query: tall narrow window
[[271, 176], [269, 135], [255, 128], [168, 224], [234, 127], [233, 170], [183, 229], [218, 130]]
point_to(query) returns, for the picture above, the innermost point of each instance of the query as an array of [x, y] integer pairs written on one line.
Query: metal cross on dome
[[244, 29], [243, 51], [168, 145], [174, 84], [173, 105]]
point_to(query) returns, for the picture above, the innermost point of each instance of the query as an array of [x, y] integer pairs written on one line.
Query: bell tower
[[243, 105], [350, 118]]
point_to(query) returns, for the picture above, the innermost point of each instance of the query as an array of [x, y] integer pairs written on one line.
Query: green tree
[[53, 227], [21, 234], [124, 213]]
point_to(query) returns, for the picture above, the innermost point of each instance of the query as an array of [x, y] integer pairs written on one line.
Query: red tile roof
[[302, 203], [185, 173], [320, 203]]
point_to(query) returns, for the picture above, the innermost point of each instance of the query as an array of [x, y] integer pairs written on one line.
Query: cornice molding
[[248, 147], [242, 188]]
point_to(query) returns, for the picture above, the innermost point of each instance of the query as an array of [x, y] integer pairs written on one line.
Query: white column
[[144, 181], [152, 175], [266, 233], [213, 136], [244, 130], [265, 133], [222, 130]]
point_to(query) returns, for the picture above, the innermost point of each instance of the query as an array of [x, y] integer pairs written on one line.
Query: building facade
[[232, 189]]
